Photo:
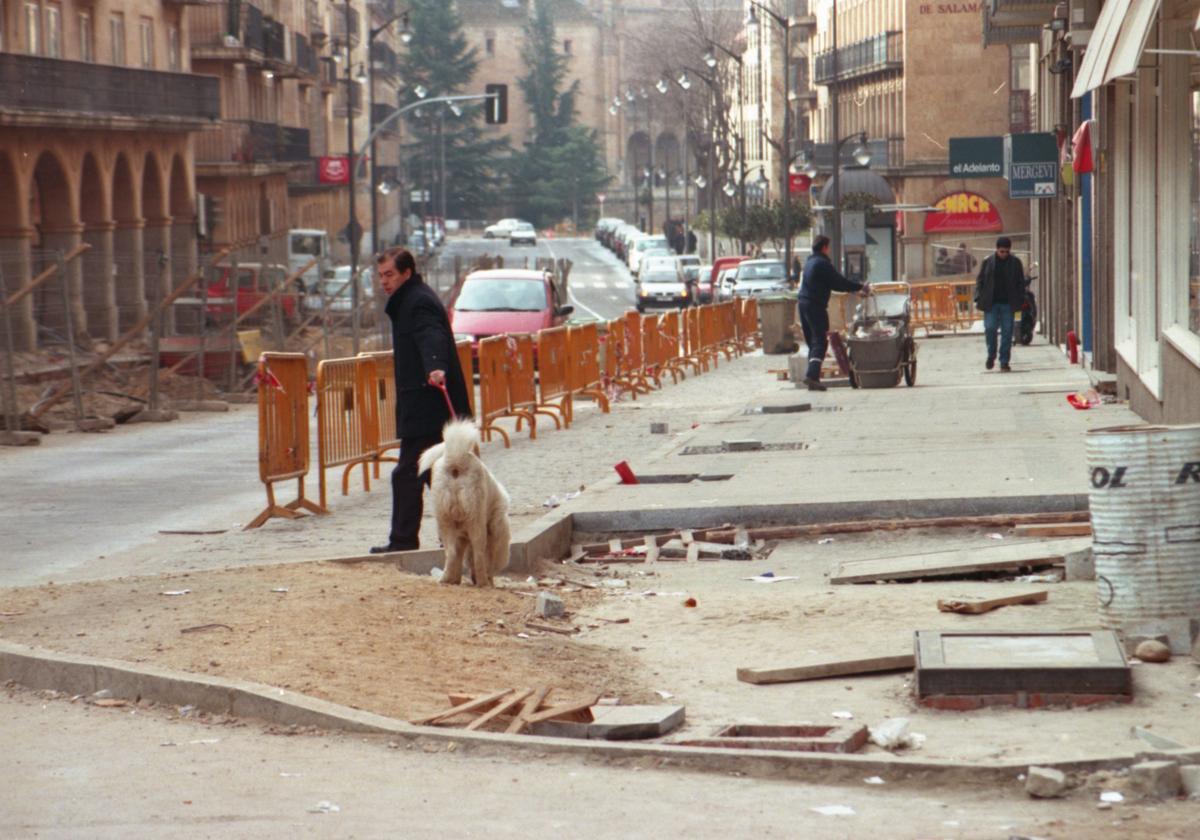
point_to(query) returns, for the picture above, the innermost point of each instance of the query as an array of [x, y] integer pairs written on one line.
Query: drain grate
[[718, 449], [779, 409]]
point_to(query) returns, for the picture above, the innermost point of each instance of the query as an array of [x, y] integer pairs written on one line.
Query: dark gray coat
[[985, 283]]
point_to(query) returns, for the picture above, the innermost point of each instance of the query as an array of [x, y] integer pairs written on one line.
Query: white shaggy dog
[[471, 506]]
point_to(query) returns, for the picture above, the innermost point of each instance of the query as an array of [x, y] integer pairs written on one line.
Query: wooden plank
[[1056, 529], [550, 628], [531, 704], [499, 709], [469, 706], [821, 670], [977, 606], [565, 710], [961, 561]]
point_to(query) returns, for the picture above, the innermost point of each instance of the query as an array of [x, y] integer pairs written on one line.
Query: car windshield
[[660, 277], [760, 271], [306, 245], [499, 294], [652, 242], [523, 226]]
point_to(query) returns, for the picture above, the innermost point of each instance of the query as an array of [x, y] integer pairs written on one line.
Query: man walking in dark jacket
[[999, 289], [819, 280], [425, 362]]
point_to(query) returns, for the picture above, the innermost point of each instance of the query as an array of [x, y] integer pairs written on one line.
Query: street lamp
[[752, 25], [862, 157]]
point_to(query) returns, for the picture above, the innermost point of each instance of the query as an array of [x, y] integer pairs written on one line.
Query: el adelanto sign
[[977, 157]]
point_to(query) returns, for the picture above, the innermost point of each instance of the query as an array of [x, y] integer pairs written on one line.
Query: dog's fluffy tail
[[459, 439], [429, 457]]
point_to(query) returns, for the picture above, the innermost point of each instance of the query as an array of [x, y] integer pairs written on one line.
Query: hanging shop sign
[[977, 157], [1031, 161], [334, 170], [964, 212]]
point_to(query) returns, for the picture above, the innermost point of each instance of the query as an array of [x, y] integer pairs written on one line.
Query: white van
[[303, 245]]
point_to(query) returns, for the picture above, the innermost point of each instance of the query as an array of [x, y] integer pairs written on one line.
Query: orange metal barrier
[[651, 349], [465, 361], [385, 405], [347, 418], [583, 363], [493, 386], [670, 338], [283, 448], [622, 371], [523, 375], [553, 373], [636, 351], [933, 307], [727, 314]]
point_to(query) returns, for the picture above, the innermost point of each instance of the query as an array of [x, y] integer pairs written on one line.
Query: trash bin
[[777, 313]]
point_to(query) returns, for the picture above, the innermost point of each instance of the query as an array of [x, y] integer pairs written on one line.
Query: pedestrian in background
[[999, 288], [426, 362], [820, 280], [964, 263]]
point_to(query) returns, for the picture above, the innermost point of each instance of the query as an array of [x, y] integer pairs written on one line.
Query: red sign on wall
[[964, 212], [798, 182], [333, 170]]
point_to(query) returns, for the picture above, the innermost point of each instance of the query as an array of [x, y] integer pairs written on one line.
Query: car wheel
[[641, 308]]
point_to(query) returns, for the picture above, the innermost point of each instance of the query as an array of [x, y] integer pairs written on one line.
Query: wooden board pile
[[515, 709]]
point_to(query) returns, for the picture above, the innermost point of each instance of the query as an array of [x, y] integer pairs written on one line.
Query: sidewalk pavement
[[964, 441]]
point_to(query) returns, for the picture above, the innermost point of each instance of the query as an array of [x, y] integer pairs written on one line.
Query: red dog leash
[[441, 386]]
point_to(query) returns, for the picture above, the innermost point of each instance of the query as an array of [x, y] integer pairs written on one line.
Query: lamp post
[[751, 31], [731, 190], [352, 229], [406, 37], [862, 157]]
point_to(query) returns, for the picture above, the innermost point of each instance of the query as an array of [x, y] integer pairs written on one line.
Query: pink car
[[501, 300]]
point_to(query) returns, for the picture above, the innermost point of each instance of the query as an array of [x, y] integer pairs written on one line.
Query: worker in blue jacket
[[819, 281]]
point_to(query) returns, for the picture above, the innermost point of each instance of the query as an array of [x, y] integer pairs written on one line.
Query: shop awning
[[1116, 44]]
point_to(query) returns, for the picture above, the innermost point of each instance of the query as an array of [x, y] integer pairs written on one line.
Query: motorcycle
[[1028, 312]]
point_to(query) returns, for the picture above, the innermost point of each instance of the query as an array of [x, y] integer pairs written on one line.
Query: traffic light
[[497, 104]]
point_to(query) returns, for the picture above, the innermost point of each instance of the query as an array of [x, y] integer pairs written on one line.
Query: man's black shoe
[[1005, 369], [388, 549], [814, 384], [991, 363]]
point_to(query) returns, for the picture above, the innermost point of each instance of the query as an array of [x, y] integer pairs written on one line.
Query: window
[[33, 29], [567, 46], [87, 49], [173, 62], [146, 41], [1020, 75], [489, 44], [1, 25], [116, 31], [53, 30], [1193, 319]]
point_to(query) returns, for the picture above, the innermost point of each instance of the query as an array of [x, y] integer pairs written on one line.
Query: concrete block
[[1189, 777], [1081, 565], [617, 723], [148, 416], [797, 367], [742, 445], [95, 424], [1045, 782], [658, 428], [550, 605], [1156, 779]]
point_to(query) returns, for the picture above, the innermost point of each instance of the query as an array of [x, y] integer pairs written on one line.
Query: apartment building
[[98, 104], [909, 76]]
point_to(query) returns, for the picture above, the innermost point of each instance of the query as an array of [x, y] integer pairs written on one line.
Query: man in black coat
[[999, 290], [820, 279], [425, 361]]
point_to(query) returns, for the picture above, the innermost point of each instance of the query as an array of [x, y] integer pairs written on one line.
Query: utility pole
[[835, 144], [352, 228]]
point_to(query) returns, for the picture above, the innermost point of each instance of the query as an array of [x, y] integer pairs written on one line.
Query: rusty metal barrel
[[1145, 508]]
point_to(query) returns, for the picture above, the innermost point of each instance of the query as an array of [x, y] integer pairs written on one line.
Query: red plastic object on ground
[[627, 476], [1073, 347], [1084, 400]]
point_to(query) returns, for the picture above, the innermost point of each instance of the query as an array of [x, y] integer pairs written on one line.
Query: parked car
[[716, 288], [228, 295], [760, 277], [335, 290], [304, 246], [522, 234], [642, 245], [664, 285], [501, 229], [502, 300]]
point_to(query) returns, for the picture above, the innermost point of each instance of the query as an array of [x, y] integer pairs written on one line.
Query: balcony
[[306, 57], [1014, 23], [274, 39], [801, 15], [249, 142], [229, 31], [383, 60], [39, 91], [337, 19], [878, 54], [380, 113], [339, 100], [318, 28]]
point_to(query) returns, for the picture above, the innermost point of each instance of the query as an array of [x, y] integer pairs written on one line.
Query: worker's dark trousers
[[814, 320], [408, 489]]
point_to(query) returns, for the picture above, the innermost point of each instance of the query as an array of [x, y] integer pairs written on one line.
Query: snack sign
[[963, 212]]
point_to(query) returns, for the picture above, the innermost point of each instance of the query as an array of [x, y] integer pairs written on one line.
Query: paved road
[[77, 498], [600, 286]]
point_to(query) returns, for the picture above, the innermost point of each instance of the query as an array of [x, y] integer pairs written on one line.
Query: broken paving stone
[[550, 605], [1189, 776], [1045, 783], [1157, 779], [1152, 650]]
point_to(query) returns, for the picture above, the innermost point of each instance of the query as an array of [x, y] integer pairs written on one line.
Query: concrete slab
[[964, 561], [617, 723]]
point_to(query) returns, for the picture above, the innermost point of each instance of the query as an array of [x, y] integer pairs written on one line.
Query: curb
[[39, 669]]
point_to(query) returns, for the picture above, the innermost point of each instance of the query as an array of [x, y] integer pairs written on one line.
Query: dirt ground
[[365, 636]]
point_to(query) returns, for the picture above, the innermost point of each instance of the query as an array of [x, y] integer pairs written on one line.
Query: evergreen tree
[[439, 61], [558, 172]]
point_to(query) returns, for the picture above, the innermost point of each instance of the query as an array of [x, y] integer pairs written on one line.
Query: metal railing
[[274, 37], [876, 54], [36, 84], [305, 56], [383, 59], [247, 141]]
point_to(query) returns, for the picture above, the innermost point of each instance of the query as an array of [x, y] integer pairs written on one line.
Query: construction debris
[[789, 737], [957, 562], [1054, 529], [504, 704], [975, 606], [817, 671]]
